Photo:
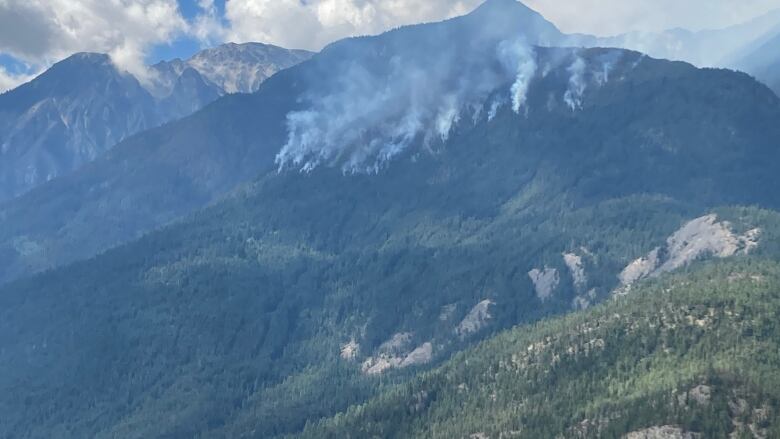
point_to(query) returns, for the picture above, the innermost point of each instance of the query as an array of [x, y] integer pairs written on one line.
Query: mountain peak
[[512, 8], [513, 17], [79, 69], [87, 58], [503, 4]]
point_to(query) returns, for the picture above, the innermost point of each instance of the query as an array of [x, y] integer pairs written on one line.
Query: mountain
[[81, 107], [156, 177], [706, 48], [691, 356], [750, 47], [241, 68], [144, 182], [442, 206], [764, 62], [67, 116]]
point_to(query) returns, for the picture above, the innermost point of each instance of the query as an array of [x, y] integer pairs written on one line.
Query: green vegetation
[[696, 350], [230, 322]]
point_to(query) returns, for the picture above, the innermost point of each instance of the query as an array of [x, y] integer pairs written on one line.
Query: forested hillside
[[630, 124], [691, 356], [441, 207], [236, 322]]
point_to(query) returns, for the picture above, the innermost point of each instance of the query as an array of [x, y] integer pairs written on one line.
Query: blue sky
[[184, 46]]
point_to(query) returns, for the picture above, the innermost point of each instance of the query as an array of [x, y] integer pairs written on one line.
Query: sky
[[36, 33]]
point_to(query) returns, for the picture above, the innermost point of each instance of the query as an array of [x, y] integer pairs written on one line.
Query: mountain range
[[81, 107], [162, 174], [764, 62], [752, 47], [56, 123], [374, 242]]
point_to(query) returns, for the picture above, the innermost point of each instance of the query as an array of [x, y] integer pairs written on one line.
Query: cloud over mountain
[[313, 24], [40, 32]]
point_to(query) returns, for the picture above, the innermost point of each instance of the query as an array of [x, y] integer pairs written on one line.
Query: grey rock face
[[476, 319], [663, 432], [701, 237], [66, 117], [84, 105], [545, 281], [241, 68]]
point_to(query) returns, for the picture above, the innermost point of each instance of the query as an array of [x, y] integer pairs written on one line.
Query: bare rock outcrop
[[640, 268], [662, 432], [396, 353], [701, 237], [349, 351], [545, 282], [476, 319], [422, 355], [575, 265]]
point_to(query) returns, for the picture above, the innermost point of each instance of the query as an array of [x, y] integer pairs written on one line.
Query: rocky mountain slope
[[66, 117], [82, 106], [303, 294], [239, 68], [443, 206], [690, 356], [154, 178]]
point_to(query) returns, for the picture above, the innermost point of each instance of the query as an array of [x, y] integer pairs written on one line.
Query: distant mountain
[[751, 47], [764, 62], [241, 68], [409, 195], [707, 48], [81, 107], [67, 116]]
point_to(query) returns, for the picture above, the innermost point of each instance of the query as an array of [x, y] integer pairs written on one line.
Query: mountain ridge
[[82, 106], [241, 312], [276, 269]]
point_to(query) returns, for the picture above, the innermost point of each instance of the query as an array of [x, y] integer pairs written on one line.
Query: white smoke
[[494, 107], [448, 115], [522, 59], [577, 84], [608, 62], [602, 76], [372, 114]]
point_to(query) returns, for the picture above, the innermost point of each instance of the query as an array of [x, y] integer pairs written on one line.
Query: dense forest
[[339, 303], [232, 323], [695, 353]]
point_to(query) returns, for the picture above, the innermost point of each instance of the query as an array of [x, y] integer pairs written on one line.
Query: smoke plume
[[577, 84], [371, 112]]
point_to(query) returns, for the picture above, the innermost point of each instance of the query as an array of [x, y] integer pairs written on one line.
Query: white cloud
[[40, 32], [315, 23], [208, 27], [10, 80]]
